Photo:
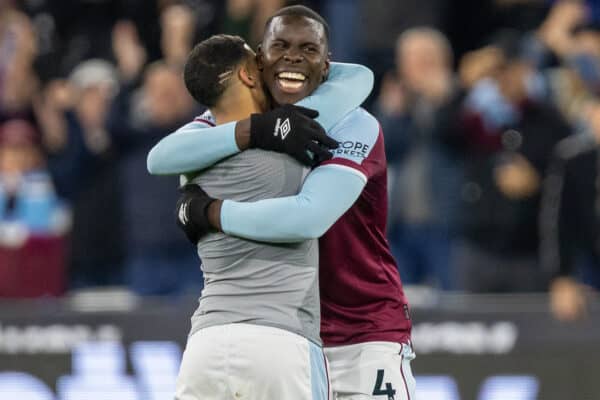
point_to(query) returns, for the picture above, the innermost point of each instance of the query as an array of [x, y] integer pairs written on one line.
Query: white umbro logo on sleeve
[[182, 215], [282, 128]]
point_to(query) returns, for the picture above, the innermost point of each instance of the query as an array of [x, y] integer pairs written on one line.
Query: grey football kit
[[253, 282]]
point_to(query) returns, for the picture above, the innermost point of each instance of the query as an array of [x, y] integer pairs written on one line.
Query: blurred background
[[491, 115]]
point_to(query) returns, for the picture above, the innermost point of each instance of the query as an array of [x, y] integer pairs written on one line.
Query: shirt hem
[[318, 342], [403, 337]]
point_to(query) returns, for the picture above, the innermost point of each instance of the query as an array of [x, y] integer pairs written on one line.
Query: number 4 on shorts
[[389, 391]]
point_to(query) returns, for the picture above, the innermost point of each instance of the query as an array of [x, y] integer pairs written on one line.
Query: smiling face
[[293, 58]]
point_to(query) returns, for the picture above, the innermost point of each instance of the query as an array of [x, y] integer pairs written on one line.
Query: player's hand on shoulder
[[292, 129], [191, 212]]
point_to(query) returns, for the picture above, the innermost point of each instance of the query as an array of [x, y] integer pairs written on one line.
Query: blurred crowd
[[490, 111]]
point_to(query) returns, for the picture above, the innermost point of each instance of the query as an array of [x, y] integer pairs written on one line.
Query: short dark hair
[[207, 64], [300, 11]]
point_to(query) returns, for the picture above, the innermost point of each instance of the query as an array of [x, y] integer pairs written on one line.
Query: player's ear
[[247, 76], [260, 58], [326, 67]]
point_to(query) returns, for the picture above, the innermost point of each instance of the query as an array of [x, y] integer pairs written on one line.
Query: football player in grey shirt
[[255, 334]]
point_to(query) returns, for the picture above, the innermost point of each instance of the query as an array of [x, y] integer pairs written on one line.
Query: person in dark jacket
[[82, 160], [570, 220], [419, 108], [158, 257], [509, 132]]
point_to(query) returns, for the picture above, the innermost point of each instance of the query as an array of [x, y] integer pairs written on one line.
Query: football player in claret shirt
[[365, 322]]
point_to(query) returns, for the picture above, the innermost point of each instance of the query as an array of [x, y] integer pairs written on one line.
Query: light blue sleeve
[[193, 147], [347, 86], [197, 146], [307, 215]]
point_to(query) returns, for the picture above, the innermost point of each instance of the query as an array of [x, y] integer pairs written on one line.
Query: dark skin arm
[[214, 213], [242, 134]]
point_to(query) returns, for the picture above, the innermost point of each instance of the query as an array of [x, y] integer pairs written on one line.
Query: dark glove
[[291, 129], [192, 212]]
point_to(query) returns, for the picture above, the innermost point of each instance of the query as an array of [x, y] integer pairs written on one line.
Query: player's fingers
[[309, 112], [321, 136], [305, 157], [319, 153]]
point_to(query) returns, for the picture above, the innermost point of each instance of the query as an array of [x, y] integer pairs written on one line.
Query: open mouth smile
[[291, 82]]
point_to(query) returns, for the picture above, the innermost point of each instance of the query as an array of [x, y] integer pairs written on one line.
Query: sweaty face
[[293, 58]]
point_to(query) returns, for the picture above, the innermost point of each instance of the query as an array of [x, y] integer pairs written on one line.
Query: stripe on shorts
[[327, 375], [402, 372], [318, 373]]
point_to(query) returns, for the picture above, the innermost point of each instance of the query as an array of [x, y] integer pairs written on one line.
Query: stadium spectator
[[128, 50], [176, 40], [418, 108], [18, 81], [72, 31], [509, 134], [33, 221], [82, 160], [567, 45], [381, 22], [569, 226], [158, 259]]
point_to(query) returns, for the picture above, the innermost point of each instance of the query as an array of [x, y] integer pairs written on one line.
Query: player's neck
[[234, 107]]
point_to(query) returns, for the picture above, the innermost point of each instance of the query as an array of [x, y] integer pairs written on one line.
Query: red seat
[[37, 268]]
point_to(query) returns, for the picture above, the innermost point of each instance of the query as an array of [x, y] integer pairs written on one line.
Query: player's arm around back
[[197, 146], [192, 147], [327, 193], [346, 88]]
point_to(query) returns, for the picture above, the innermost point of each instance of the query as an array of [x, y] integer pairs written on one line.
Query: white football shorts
[[251, 362], [371, 371]]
